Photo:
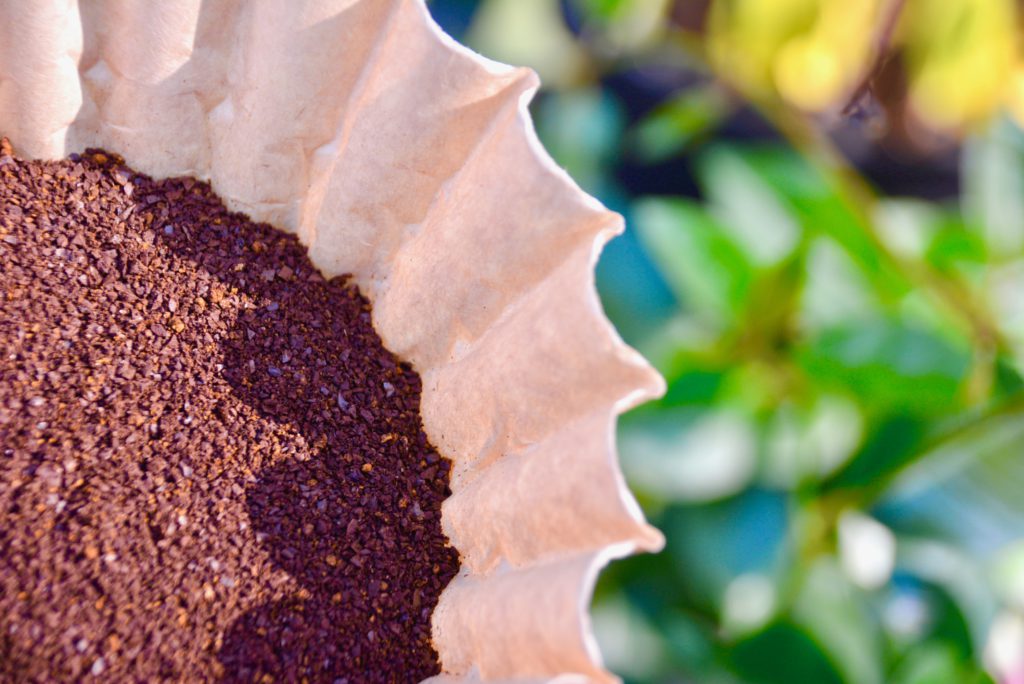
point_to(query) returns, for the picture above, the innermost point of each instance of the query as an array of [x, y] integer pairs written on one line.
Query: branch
[[883, 42]]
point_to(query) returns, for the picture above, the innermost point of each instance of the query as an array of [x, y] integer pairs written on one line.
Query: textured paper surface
[[408, 161]]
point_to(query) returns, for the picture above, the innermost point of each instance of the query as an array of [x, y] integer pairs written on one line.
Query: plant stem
[[883, 42]]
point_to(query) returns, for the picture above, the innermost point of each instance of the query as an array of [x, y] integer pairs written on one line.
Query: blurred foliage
[[825, 259]]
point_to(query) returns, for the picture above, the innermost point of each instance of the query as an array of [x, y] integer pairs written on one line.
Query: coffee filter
[[410, 162]]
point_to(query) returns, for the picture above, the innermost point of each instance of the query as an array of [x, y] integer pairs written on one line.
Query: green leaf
[[783, 653], [953, 247], [906, 226], [1007, 380], [684, 455], [949, 625], [710, 545], [821, 210], [932, 663], [962, 604], [693, 386], [767, 329], [836, 613], [691, 645], [993, 192], [629, 642], [891, 445], [673, 126], [748, 207], [1008, 573], [835, 291], [699, 260], [891, 366], [602, 9], [530, 34], [805, 443]]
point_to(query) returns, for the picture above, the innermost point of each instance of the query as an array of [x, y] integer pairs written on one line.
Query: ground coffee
[[211, 468]]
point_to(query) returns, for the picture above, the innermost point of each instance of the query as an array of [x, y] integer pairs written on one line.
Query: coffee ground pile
[[211, 468]]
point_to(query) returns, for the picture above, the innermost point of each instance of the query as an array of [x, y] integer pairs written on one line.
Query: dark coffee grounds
[[211, 468]]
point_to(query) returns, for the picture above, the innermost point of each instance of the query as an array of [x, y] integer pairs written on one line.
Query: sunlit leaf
[[1008, 574], [820, 209], [696, 256], [688, 456], [629, 642], [953, 248], [835, 291], [529, 33], [806, 443], [993, 192], [748, 207], [931, 663], [906, 226]]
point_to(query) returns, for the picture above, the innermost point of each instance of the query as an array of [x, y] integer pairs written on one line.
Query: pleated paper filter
[[411, 163]]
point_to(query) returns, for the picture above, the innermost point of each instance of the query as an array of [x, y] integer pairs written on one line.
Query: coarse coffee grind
[[211, 468]]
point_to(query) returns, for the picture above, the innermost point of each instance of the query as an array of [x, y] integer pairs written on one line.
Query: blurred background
[[825, 258]]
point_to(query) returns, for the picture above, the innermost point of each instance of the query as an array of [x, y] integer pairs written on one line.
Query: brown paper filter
[[404, 159]]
